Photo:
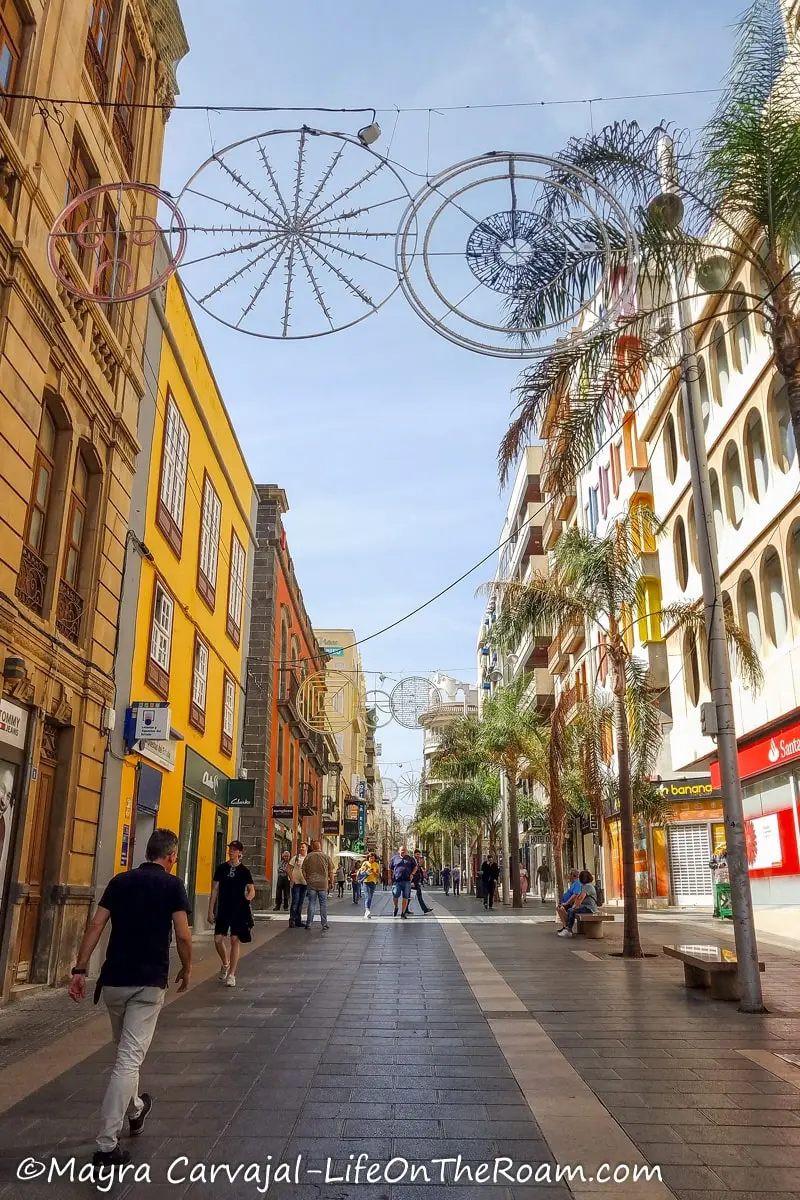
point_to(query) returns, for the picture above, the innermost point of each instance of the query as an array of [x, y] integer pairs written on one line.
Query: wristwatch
[[79, 970]]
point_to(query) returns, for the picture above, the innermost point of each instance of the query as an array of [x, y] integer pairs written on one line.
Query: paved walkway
[[461, 1033]]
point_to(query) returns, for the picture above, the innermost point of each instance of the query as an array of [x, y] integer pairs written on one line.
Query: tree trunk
[[513, 837], [557, 844], [631, 945]]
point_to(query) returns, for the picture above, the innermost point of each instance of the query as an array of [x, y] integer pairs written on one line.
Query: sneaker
[[366, 914], [394, 914], [230, 981], [111, 1158], [369, 914], [403, 916], [564, 933], [325, 928], [223, 975], [136, 1124]]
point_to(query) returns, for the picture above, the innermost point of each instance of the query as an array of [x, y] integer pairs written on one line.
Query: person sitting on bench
[[584, 902], [573, 889]]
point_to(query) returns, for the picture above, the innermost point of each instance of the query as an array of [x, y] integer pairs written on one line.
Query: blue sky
[[385, 436]]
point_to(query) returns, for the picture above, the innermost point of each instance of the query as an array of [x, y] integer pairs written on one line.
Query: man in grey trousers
[[144, 906]]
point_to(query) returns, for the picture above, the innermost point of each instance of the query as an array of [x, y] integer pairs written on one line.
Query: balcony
[[573, 635], [97, 69], [288, 688], [305, 806], [31, 581], [330, 808], [69, 612], [551, 530]]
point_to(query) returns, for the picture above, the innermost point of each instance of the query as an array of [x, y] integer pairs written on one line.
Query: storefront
[[203, 830], [769, 766]]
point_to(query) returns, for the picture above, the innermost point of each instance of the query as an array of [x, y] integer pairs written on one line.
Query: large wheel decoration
[[379, 703], [293, 233], [98, 233], [390, 790], [491, 231], [409, 786], [411, 698], [327, 702]]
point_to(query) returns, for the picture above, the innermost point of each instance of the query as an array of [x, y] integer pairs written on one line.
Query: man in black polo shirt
[[143, 906]]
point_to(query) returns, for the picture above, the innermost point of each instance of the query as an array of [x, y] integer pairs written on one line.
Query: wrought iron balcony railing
[[31, 580], [97, 69], [69, 612]]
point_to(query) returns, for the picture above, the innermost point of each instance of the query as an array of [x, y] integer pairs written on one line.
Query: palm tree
[[735, 188], [598, 581]]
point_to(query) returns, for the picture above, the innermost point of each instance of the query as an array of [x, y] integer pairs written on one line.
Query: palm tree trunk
[[557, 840], [631, 945], [513, 837]]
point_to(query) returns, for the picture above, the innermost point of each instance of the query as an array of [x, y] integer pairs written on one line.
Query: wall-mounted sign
[[13, 724], [334, 651], [330, 826], [698, 788], [163, 754], [283, 812], [242, 793], [151, 722], [126, 844], [767, 754], [203, 778]]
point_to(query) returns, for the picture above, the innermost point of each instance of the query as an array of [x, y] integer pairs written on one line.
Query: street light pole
[[504, 866], [719, 660]]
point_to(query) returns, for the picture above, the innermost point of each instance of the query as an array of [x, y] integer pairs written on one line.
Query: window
[[157, 673], [291, 767], [716, 503], [635, 457], [197, 708], [228, 714], [755, 452], [649, 610], [127, 88], [593, 511], [784, 449], [681, 554], [749, 618], [279, 756], [741, 330], [670, 449], [734, 488], [616, 467], [12, 29], [43, 467], [722, 365], [605, 494], [684, 445], [602, 658], [174, 466], [209, 543], [691, 529], [607, 741], [235, 589], [761, 286], [642, 533], [80, 177], [283, 690], [691, 667], [76, 524], [775, 611], [101, 19], [705, 396], [626, 625], [112, 273], [794, 566]]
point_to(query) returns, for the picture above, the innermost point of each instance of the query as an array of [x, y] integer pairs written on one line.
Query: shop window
[[681, 554], [12, 32], [157, 673], [197, 708], [705, 395], [81, 176], [722, 376], [716, 503], [734, 487], [228, 714], [784, 450], [174, 468], [670, 448], [127, 96], [774, 597], [210, 523], [648, 605], [749, 617], [235, 589], [741, 330], [755, 452], [691, 667]]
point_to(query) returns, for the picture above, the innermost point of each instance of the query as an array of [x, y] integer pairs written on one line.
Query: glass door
[[187, 850], [220, 839]]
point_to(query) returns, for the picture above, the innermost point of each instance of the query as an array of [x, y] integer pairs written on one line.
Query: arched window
[[76, 525], [79, 538], [670, 449], [775, 610], [684, 445], [793, 554], [681, 554], [284, 664], [705, 395], [716, 503], [691, 527], [691, 667], [734, 487], [755, 453], [784, 450], [39, 565], [648, 614], [761, 286], [721, 363], [741, 330], [749, 617], [42, 483]]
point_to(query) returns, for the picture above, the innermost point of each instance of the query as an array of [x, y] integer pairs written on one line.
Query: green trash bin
[[722, 901]]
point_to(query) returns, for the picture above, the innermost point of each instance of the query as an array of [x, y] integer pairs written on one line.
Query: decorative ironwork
[[390, 790], [409, 786], [115, 278], [97, 69], [122, 136], [519, 216], [69, 612], [379, 708], [306, 800], [31, 580], [49, 750], [412, 697], [327, 702], [303, 211]]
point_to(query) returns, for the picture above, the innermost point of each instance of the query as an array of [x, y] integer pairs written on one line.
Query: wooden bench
[[710, 967], [591, 924]]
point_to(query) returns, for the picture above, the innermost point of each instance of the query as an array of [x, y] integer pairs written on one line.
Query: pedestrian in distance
[[417, 881], [229, 910], [299, 886], [368, 876], [456, 881], [318, 874], [402, 867], [524, 883], [583, 901], [283, 887], [573, 890], [144, 906], [446, 876], [340, 881], [490, 873], [356, 886], [543, 880]]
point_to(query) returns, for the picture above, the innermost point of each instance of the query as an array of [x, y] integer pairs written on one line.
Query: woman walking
[[340, 881], [369, 877], [490, 873]]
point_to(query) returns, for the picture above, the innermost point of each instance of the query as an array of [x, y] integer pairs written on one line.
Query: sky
[[385, 436]]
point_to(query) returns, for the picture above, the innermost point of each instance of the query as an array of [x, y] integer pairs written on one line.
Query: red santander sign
[[766, 754]]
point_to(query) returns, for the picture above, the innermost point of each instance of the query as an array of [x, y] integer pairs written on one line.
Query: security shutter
[[689, 855]]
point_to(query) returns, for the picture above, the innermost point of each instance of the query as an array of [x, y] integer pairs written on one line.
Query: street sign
[[334, 651], [241, 793], [283, 811], [151, 722]]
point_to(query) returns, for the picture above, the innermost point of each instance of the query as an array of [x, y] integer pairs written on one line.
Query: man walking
[[416, 882], [283, 888], [298, 886], [543, 880], [318, 874], [402, 866], [144, 906], [446, 875], [490, 873], [229, 910], [456, 881]]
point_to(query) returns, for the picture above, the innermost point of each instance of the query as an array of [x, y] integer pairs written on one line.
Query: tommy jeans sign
[[13, 724]]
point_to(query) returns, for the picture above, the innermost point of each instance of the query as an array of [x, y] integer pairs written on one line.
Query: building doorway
[[220, 839], [187, 850], [38, 825], [690, 878]]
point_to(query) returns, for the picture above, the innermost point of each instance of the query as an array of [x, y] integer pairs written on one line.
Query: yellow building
[[185, 622], [351, 743]]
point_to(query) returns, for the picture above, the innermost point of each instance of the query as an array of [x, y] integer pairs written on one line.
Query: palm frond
[[745, 660]]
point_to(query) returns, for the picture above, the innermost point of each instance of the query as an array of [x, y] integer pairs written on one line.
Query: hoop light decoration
[[92, 229], [412, 697], [379, 703], [390, 790], [409, 786], [327, 702], [293, 233], [468, 240]]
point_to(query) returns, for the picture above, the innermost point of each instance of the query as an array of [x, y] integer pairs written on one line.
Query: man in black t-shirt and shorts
[[229, 910]]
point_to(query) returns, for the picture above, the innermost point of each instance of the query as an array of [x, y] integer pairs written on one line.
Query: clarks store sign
[[202, 777], [773, 751]]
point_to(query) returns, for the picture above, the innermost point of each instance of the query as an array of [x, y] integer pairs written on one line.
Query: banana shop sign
[[700, 787]]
